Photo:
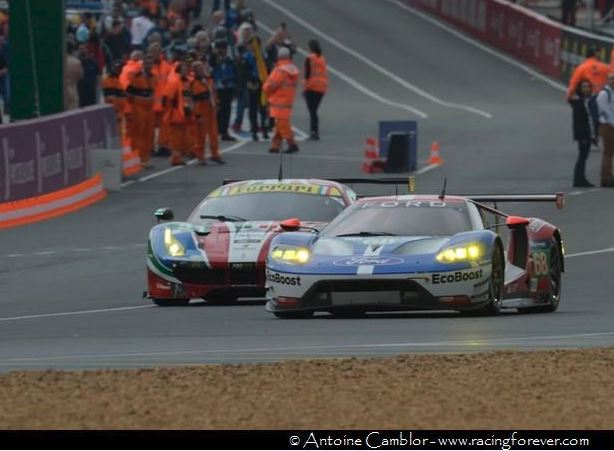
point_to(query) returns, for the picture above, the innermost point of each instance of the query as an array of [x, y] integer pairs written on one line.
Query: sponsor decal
[[457, 276], [301, 188], [405, 204], [284, 280], [368, 261]]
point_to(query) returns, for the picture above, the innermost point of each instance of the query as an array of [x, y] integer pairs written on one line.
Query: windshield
[[405, 218], [269, 207]]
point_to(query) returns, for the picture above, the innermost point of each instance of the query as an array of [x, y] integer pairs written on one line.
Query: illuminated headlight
[[461, 253], [295, 255], [173, 247]]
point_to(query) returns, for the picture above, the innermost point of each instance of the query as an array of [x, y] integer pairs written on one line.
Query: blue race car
[[419, 252]]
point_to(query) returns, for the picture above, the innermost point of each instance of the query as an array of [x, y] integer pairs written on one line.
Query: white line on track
[[79, 312], [598, 251], [359, 86], [413, 88], [448, 28], [427, 168], [506, 341]]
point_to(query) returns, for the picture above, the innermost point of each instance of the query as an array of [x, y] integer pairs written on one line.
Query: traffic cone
[[372, 163], [435, 157]]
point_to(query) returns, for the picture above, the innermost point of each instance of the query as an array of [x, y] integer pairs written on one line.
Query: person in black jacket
[[585, 123]]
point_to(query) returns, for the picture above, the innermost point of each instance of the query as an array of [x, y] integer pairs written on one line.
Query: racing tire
[[170, 302], [221, 299], [554, 297], [301, 314], [495, 287]]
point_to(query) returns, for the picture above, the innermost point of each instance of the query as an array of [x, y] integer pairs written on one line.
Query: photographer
[[224, 74]]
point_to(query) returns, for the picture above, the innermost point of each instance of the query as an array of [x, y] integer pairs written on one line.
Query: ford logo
[[370, 261]]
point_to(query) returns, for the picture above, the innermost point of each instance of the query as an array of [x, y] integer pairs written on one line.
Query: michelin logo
[[457, 276], [284, 280]]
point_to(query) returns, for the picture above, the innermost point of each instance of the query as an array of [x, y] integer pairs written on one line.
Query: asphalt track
[[71, 287]]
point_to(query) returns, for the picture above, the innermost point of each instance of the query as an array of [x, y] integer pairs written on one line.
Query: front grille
[[408, 289], [200, 275], [243, 274], [366, 285]]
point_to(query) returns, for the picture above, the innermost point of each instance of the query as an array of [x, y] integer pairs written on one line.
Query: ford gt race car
[[419, 252], [219, 253]]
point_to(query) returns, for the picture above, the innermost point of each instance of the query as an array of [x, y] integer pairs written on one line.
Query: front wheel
[[301, 314], [495, 286], [170, 302], [554, 295]]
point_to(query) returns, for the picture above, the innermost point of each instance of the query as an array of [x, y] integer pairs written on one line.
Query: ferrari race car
[[219, 253], [419, 252]]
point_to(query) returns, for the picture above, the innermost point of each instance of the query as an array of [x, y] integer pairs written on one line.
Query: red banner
[[516, 30]]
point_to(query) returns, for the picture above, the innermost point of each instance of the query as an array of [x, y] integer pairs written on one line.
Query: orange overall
[[114, 94], [162, 71], [178, 115], [280, 89], [130, 68], [141, 98], [203, 95]]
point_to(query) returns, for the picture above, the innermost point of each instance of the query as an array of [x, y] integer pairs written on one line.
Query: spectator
[[72, 75], [316, 84], [605, 103], [568, 12], [225, 78], [88, 84], [116, 42], [585, 122], [592, 70], [140, 27], [83, 30], [179, 106], [162, 28]]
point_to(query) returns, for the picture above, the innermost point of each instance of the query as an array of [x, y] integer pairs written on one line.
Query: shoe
[[228, 138], [255, 137], [178, 163], [147, 165], [265, 135], [273, 150], [608, 184], [314, 136], [236, 128], [292, 149], [583, 184], [202, 162], [218, 160]]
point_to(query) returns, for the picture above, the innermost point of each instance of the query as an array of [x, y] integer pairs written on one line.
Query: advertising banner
[[43, 155], [543, 43]]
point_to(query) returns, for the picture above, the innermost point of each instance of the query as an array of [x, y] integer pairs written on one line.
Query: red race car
[[219, 253]]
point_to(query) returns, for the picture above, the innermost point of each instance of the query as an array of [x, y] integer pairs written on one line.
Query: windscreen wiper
[[367, 234], [224, 218]]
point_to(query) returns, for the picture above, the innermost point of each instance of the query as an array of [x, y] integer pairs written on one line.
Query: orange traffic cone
[[435, 157], [372, 163]]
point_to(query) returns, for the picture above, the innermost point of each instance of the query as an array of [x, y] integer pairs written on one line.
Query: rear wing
[[557, 198]]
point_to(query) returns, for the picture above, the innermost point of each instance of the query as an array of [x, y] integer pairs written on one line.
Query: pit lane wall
[[45, 164], [545, 44]]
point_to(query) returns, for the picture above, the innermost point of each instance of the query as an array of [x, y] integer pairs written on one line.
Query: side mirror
[[516, 222], [290, 225], [164, 214]]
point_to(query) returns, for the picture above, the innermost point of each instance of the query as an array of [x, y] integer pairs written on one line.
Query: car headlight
[[173, 247], [461, 253], [295, 255]]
